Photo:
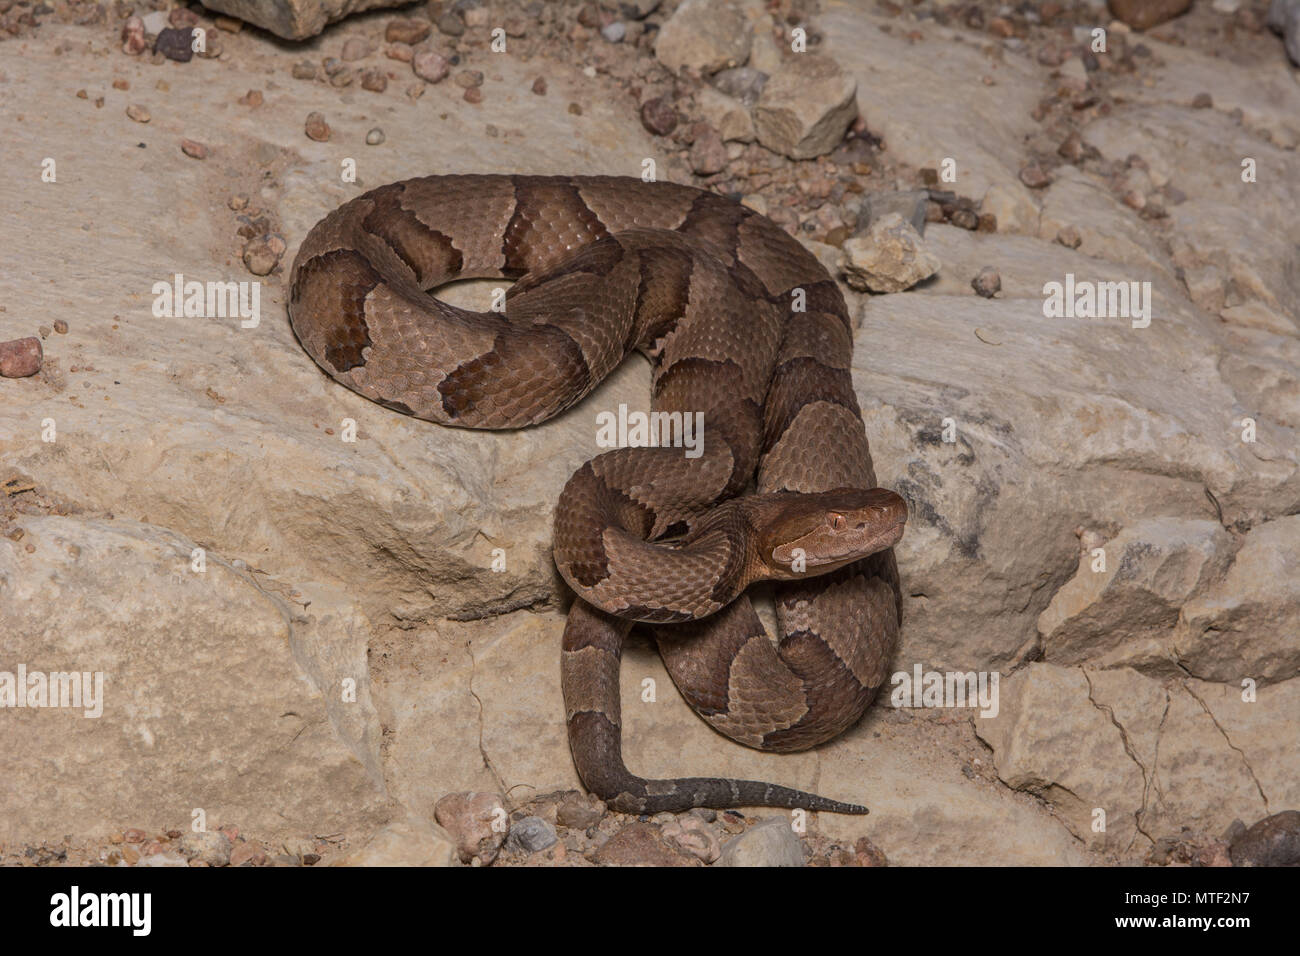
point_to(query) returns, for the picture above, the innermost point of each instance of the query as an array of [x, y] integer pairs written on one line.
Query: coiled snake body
[[740, 323]]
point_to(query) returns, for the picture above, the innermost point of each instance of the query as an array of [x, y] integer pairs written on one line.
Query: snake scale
[[739, 322]]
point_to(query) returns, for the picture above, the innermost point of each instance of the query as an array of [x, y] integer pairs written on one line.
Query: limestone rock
[[122, 599], [910, 204], [1015, 209], [907, 100], [476, 821], [295, 19], [1284, 19], [693, 835], [1245, 623], [891, 257], [1129, 608], [530, 835], [705, 36], [1259, 723], [1205, 780], [1050, 739], [1005, 430], [727, 115], [1153, 757], [1106, 228], [642, 844], [1144, 14], [1273, 841], [409, 842], [805, 109], [770, 843]]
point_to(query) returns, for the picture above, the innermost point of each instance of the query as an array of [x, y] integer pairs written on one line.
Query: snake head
[[807, 534]]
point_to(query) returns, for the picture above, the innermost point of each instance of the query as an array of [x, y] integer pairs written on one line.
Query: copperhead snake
[[739, 322]]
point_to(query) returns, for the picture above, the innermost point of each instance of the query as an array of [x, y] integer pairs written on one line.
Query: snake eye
[[838, 521]]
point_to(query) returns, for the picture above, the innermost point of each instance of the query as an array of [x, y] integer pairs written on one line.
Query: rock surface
[[411, 842], [806, 107], [350, 647], [1144, 14], [1284, 18], [295, 19], [705, 36], [1273, 841], [891, 257], [771, 843]]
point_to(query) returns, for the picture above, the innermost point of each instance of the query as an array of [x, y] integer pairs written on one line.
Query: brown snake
[[739, 322]]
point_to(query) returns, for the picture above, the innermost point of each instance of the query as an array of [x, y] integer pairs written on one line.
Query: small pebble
[[133, 37], [305, 70], [451, 24], [474, 95], [988, 283], [430, 66], [1202, 101], [194, 149], [176, 44], [1071, 147], [259, 257], [406, 31], [1034, 176], [707, 155], [20, 358], [251, 98], [374, 80], [1069, 237], [138, 113], [182, 17], [374, 137], [964, 218], [317, 129], [658, 116], [577, 811], [467, 78], [247, 854], [357, 48], [531, 834], [399, 51], [539, 86], [614, 32]]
